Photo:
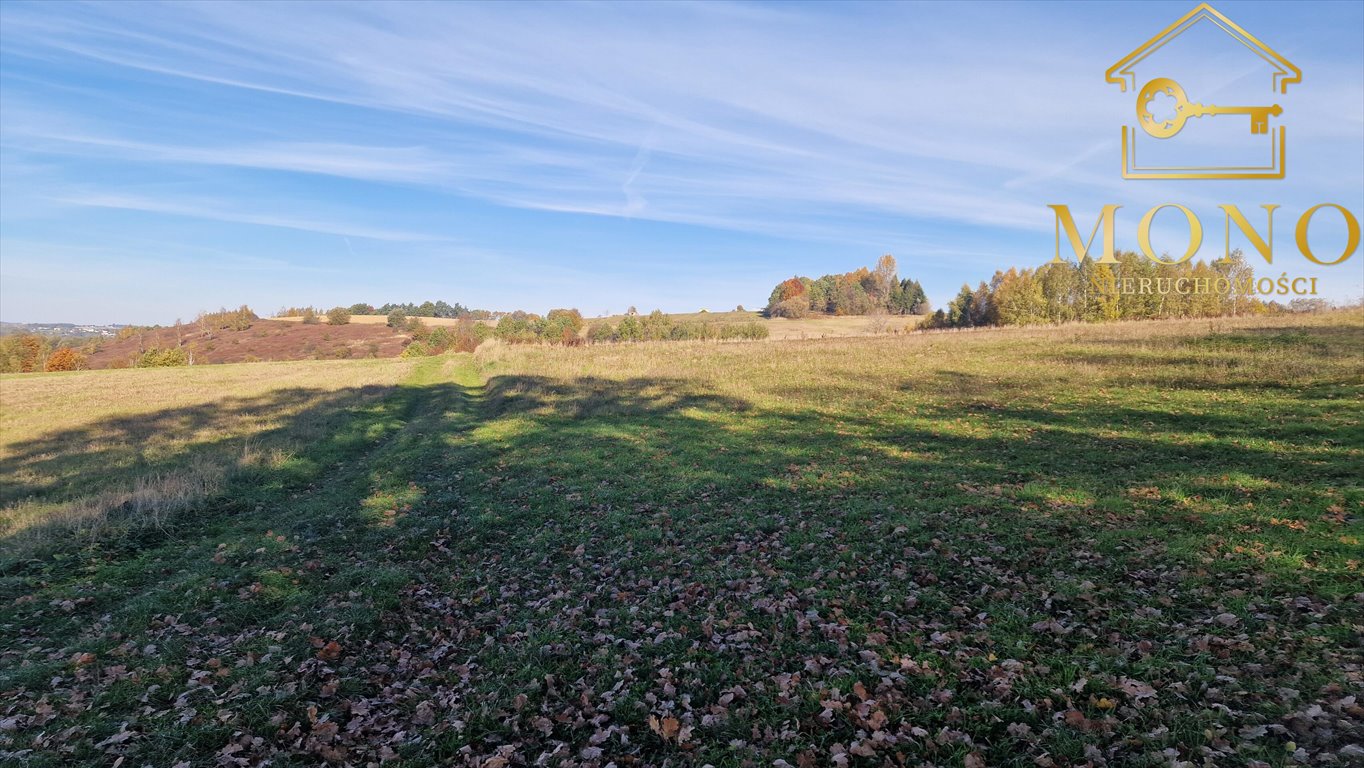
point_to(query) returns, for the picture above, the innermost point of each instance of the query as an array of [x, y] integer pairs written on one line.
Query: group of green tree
[[860, 292], [238, 319], [657, 326], [567, 327], [559, 326], [464, 336], [424, 309], [1133, 289], [334, 316]]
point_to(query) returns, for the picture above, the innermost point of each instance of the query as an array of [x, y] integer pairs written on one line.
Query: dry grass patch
[[88, 451]]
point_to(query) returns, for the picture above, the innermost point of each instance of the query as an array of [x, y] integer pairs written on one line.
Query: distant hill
[[68, 330], [264, 340]]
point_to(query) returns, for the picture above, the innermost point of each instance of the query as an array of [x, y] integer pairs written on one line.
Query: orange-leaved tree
[[65, 359]]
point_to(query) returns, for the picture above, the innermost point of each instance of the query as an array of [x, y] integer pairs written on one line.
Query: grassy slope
[[74, 445], [814, 327], [1083, 544]]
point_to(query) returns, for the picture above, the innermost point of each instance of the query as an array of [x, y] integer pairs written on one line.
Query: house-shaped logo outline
[[1285, 72]]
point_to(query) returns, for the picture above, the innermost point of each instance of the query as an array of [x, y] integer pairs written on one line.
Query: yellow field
[[779, 328], [782, 329], [154, 440], [877, 366]]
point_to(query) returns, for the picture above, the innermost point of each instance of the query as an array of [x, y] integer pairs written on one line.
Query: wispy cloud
[[730, 112], [218, 210], [941, 129]]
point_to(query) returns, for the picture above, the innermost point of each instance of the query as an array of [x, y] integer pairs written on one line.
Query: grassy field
[[90, 450], [1125, 545], [815, 327]]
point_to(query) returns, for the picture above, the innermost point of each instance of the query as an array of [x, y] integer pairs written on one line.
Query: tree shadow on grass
[[65, 463], [538, 541], [599, 524], [128, 472]]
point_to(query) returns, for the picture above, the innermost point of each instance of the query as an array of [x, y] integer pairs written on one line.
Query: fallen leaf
[[667, 728], [330, 652]]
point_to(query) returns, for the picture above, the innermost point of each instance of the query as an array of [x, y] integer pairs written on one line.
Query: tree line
[[860, 292], [567, 327], [657, 326], [1133, 289], [425, 309], [34, 353]]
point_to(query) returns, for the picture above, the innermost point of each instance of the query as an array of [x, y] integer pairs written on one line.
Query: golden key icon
[[1164, 129]]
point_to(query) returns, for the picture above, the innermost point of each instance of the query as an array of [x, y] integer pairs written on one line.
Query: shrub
[[629, 329], [415, 349], [794, 307], [656, 326], [561, 326], [397, 319], [163, 358], [519, 328], [1309, 305], [599, 333], [338, 316], [439, 340], [750, 330], [65, 359], [417, 328], [309, 316]]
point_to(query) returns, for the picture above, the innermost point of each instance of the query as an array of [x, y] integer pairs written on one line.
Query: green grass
[[1136, 543]]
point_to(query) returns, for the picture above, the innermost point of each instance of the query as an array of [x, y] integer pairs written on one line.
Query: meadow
[[1123, 544], [779, 328]]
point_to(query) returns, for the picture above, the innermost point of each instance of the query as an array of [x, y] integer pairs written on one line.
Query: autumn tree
[[850, 295], [1018, 298], [1235, 269], [859, 292], [600, 333], [65, 359], [781, 303], [23, 353], [562, 326], [224, 319], [884, 280]]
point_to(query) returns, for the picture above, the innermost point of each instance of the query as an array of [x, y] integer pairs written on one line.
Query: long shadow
[[64, 464]]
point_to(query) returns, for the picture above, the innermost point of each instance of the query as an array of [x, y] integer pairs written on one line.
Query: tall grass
[[98, 454]]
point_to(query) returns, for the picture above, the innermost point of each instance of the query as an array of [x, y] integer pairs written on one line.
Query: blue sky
[[162, 159]]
